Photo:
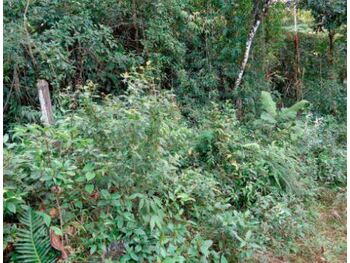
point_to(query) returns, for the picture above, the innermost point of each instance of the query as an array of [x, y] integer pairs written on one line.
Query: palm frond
[[33, 243]]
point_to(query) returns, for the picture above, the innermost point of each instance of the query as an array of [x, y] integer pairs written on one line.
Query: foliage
[[136, 182], [33, 244], [154, 157], [270, 113], [328, 15]]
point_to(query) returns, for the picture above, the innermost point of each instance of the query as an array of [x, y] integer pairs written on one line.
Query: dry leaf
[[322, 250], [320, 259], [56, 243], [71, 230], [336, 215], [56, 189], [53, 212], [95, 195]]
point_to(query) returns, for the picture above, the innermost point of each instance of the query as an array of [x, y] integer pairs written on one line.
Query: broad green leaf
[[105, 194], [57, 230], [223, 259], [291, 112], [93, 249], [152, 222], [90, 175], [11, 207], [6, 138], [89, 188], [79, 204], [205, 247], [45, 217], [88, 167]]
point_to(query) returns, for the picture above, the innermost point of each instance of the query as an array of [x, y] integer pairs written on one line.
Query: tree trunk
[[258, 19], [331, 34]]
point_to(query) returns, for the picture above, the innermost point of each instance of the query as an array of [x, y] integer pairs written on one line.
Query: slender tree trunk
[[247, 51], [331, 34], [258, 19]]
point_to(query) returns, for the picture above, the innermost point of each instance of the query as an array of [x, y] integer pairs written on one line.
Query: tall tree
[[259, 15]]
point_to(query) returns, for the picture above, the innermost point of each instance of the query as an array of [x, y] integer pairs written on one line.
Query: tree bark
[[331, 34], [257, 21]]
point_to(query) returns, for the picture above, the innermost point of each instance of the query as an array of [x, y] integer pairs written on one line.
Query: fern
[[268, 104], [270, 113], [291, 112], [33, 244]]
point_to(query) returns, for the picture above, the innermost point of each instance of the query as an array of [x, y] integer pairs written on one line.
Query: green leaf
[[6, 138], [205, 247], [185, 197], [120, 222], [57, 230], [93, 249], [134, 256], [89, 188], [268, 118], [169, 260], [89, 176], [88, 167], [33, 242], [11, 207], [79, 204], [223, 259], [299, 105], [291, 112], [248, 234], [252, 145], [45, 217], [268, 104], [152, 222], [105, 194]]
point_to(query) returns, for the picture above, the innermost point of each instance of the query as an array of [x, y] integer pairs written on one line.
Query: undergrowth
[[129, 179]]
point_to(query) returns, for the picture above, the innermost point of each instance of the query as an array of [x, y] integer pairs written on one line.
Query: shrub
[[129, 179]]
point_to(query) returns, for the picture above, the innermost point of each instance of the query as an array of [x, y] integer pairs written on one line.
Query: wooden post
[[45, 102]]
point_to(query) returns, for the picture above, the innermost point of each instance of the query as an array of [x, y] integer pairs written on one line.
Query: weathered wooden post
[[47, 119], [45, 102]]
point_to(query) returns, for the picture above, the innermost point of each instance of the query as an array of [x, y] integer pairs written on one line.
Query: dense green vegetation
[[155, 155]]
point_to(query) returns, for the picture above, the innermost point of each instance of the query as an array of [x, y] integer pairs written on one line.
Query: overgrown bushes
[[129, 178]]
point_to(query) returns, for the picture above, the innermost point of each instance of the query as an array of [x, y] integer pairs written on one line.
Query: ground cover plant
[[156, 154]]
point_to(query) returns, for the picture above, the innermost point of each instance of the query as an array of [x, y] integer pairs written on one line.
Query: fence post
[[45, 102]]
